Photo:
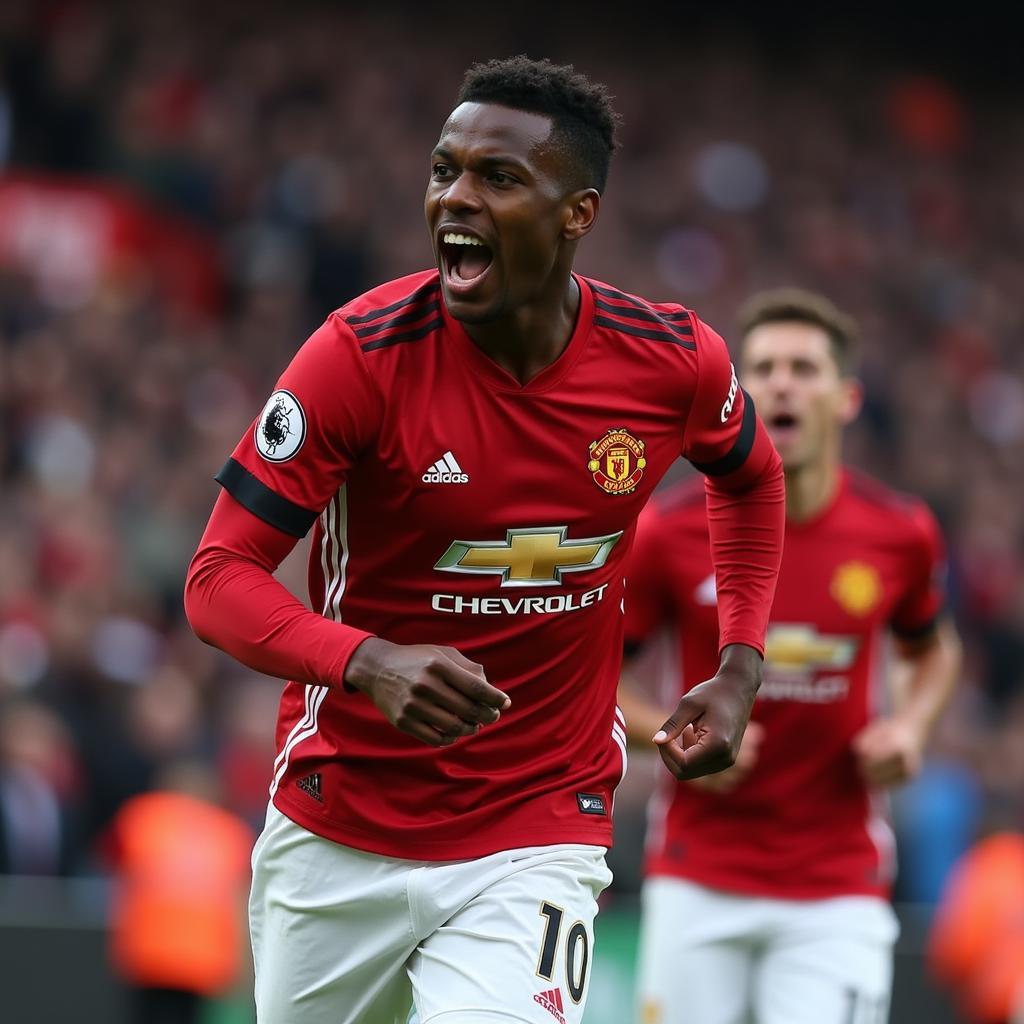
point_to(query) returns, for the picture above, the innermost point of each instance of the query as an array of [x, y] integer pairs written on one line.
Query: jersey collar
[[501, 380]]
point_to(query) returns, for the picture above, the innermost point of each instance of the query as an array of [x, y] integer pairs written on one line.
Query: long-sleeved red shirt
[[454, 506], [868, 563]]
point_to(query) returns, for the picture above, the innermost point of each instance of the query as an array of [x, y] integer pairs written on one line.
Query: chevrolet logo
[[803, 647], [531, 557]]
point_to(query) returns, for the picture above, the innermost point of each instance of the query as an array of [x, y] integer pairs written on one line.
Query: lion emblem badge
[[281, 427]]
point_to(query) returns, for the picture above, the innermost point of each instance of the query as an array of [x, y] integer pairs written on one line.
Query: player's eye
[[441, 171], [502, 178]]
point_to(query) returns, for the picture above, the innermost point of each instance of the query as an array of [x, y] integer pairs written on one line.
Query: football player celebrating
[[471, 446], [766, 886]]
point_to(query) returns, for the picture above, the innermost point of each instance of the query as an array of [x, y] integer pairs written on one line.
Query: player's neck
[[811, 488], [532, 336]]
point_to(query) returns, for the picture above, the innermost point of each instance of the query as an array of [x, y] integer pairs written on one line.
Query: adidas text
[[552, 1002], [445, 471], [433, 477]]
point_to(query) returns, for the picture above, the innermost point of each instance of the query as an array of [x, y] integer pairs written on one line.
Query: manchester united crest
[[617, 462], [857, 587]]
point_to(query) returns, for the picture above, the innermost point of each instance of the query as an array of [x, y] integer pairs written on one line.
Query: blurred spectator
[[250, 717], [182, 870], [37, 790], [938, 815]]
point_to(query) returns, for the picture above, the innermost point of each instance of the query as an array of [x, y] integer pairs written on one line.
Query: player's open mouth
[[466, 260], [782, 424]]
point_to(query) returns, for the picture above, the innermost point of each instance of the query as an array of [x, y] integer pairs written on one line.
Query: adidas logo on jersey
[[552, 1002], [310, 785], [445, 471]]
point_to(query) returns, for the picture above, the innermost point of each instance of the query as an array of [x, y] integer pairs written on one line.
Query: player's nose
[[460, 195], [781, 381]]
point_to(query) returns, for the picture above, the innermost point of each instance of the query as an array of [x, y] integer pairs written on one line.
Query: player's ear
[[581, 212], [851, 399]]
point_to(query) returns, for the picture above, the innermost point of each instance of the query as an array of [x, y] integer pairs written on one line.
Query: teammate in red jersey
[[766, 883], [471, 446]]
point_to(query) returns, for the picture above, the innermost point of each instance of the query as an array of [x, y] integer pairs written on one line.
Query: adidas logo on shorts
[[552, 1002], [445, 471]]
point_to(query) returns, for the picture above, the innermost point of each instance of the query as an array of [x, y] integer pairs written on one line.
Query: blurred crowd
[[295, 146]]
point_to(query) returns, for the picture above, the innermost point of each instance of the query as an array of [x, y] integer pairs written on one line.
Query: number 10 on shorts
[[577, 950]]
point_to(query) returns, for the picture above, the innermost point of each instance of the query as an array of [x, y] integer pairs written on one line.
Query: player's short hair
[[581, 111], [795, 305]]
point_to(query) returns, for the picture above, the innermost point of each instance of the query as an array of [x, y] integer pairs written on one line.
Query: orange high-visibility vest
[[183, 867], [976, 945]]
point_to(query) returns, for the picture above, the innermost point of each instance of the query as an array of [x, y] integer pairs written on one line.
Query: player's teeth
[[452, 239]]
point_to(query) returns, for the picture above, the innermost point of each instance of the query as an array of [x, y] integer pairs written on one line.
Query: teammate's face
[[499, 213], [790, 372]]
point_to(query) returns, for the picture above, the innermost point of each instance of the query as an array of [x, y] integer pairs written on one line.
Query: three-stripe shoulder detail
[[633, 316], [409, 319]]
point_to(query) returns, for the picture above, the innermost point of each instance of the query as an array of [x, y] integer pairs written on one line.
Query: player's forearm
[[233, 602], [931, 674], [238, 606], [746, 529], [643, 717]]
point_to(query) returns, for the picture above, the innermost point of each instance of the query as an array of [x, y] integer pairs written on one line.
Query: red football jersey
[[454, 506], [802, 824]]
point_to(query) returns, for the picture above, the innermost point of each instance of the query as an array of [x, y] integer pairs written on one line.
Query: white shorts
[[345, 937], [708, 957]]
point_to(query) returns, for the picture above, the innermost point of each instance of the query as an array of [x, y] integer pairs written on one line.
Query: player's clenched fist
[[432, 693], [889, 751]]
